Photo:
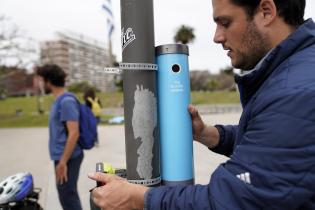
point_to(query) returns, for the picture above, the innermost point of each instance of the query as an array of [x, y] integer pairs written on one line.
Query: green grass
[[29, 116], [107, 99], [218, 97], [24, 120], [22, 112]]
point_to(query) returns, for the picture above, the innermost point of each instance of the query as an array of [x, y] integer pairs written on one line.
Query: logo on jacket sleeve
[[245, 177]]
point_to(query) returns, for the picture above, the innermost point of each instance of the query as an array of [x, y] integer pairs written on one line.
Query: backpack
[[87, 123], [96, 107]]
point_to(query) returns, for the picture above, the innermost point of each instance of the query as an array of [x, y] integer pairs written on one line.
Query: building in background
[[17, 83], [82, 58]]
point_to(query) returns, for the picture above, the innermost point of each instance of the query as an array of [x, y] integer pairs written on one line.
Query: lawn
[[23, 111], [218, 97]]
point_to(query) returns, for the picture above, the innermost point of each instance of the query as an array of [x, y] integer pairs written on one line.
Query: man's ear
[[48, 84], [267, 11]]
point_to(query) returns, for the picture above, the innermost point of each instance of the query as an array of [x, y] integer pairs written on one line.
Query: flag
[[110, 29], [107, 8]]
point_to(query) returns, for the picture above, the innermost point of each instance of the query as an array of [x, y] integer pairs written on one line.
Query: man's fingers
[[58, 177], [59, 180], [66, 177], [62, 179], [97, 197], [101, 177], [193, 111]]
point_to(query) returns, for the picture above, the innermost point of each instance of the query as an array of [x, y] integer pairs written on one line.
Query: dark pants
[[98, 120], [67, 192]]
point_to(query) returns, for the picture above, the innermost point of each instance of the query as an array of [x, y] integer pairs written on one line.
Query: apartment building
[[82, 58]]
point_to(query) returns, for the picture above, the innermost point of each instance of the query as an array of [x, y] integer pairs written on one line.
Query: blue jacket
[[272, 150]]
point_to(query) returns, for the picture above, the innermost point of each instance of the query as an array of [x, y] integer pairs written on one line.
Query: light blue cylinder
[[175, 121]]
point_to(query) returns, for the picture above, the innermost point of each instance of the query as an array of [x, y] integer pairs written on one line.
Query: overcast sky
[[40, 19]]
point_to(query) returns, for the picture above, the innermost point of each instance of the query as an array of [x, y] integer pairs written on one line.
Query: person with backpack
[[64, 132], [94, 103]]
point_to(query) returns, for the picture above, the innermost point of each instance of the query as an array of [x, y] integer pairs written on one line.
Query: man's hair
[[52, 73], [292, 11], [89, 93]]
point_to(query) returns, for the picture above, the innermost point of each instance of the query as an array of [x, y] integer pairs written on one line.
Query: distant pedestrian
[[63, 136], [92, 101]]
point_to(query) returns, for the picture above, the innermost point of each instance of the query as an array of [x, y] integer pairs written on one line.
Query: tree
[[81, 87], [229, 70], [184, 34], [212, 84], [226, 79], [199, 80], [16, 50]]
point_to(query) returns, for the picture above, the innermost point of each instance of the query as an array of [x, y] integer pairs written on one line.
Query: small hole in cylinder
[[175, 68]]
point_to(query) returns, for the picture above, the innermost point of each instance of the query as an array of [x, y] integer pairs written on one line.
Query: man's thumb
[[101, 177]]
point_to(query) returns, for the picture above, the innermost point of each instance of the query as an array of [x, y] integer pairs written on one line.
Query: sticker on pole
[[127, 37]]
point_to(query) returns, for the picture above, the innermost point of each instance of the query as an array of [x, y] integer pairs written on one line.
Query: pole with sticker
[[140, 92]]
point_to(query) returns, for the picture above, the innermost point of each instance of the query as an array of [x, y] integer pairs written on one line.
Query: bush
[[81, 87]]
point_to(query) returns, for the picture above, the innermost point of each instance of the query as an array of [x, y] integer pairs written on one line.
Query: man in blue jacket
[[272, 149]]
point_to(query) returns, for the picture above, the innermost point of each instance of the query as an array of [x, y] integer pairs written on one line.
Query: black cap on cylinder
[[171, 49]]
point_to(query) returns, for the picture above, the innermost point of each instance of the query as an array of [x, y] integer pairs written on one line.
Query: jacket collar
[[248, 84]]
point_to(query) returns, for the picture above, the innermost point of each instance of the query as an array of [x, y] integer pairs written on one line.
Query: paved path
[[203, 109], [26, 150]]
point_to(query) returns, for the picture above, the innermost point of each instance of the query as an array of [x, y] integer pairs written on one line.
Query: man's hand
[[207, 135], [117, 193], [61, 168], [197, 123], [61, 172]]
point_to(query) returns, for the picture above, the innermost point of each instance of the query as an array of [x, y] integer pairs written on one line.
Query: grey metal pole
[[140, 92]]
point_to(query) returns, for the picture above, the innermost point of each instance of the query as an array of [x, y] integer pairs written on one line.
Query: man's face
[[239, 35]]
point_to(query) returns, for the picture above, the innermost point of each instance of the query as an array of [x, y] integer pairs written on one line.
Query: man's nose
[[219, 36]]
